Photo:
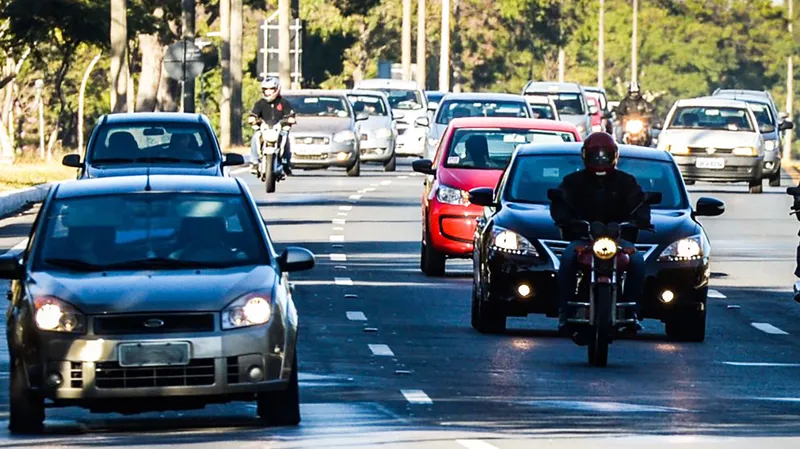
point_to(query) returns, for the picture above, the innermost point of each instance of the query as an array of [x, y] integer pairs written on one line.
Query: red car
[[595, 111], [473, 152]]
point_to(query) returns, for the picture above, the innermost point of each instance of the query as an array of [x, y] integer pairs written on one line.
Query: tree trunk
[[225, 104], [236, 72], [119, 60], [150, 78], [169, 93], [188, 33]]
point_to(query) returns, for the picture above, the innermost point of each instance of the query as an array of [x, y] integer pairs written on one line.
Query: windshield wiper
[[74, 264], [167, 263], [170, 159], [113, 160]]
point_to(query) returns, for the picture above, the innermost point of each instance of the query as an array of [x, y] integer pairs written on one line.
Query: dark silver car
[[149, 293]]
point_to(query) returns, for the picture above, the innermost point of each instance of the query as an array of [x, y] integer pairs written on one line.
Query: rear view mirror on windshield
[[154, 132]]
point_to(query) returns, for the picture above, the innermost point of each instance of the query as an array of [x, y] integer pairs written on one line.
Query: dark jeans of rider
[[568, 271], [287, 150]]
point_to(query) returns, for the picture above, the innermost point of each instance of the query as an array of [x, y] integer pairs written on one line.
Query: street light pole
[[444, 57], [39, 86], [406, 40], [634, 43], [601, 63], [284, 41], [421, 42], [787, 150]]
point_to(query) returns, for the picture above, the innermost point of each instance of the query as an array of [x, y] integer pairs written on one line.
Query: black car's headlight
[[249, 310], [55, 315], [689, 248], [449, 195], [511, 242]]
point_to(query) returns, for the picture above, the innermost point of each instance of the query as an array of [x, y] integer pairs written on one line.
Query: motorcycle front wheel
[[269, 176], [601, 338]]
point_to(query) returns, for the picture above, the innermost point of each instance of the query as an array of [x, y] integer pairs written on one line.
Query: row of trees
[[686, 48]]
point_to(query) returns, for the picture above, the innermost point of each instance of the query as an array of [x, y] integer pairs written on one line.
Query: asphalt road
[[388, 359]]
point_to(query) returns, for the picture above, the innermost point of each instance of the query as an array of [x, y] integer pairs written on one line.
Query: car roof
[[758, 93], [513, 122], [748, 97], [320, 92], [550, 86], [538, 99], [712, 101], [117, 185], [387, 83], [368, 92], [482, 96], [627, 151], [159, 117], [594, 89]]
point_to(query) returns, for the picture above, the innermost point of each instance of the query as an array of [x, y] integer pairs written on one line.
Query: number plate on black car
[[154, 354]]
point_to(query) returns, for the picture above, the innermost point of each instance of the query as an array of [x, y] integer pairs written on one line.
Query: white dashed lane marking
[[768, 328], [715, 294], [345, 208], [355, 197], [416, 397], [763, 364], [356, 316], [342, 214], [337, 238], [475, 444], [338, 257], [386, 183], [370, 189], [339, 221], [343, 281], [382, 350], [338, 228]]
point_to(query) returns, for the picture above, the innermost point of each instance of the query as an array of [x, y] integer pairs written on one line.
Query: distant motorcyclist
[[601, 193], [634, 106], [271, 109]]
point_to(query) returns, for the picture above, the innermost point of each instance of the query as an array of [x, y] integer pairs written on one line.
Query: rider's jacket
[[609, 198], [634, 107], [272, 112]]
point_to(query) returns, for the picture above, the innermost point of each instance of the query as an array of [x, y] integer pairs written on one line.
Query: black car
[[155, 143], [517, 246], [150, 293]]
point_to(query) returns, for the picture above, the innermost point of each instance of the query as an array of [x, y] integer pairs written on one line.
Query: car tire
[[474, 311], [391, 164], [431, 262], [269, 177], [775, 180], [689, 182], [689, 328], [756, 186], [355, 169], [26, 408], [489, 320], [281, 408]]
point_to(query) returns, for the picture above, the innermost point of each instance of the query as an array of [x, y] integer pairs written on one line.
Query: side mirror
[[295, 258], [433, 105], [11, 266], [709, 207], [786, 125], [232, 159], [423, 122], [482, 196], [72, 160], [766, 128], [398, 116], [361, 116], [653, 198], [424, 166], [657, 125]]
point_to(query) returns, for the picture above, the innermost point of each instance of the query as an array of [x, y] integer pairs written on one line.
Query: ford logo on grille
[[153, 322]]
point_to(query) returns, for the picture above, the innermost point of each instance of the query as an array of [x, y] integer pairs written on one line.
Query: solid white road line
[[346, 208], [337, 238], [715, 294], [386, 183], [355, 197], [356, 316], [381, 350], [416, 397], [763, 364], [339, 221], [768, 328], [240, 170], [343, 281], [18, 247], [475, 444], [338, 257]]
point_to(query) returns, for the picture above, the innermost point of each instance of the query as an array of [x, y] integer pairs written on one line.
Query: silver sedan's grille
[[555, 248]]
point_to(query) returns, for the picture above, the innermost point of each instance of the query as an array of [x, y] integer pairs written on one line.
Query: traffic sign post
[[183, 61]]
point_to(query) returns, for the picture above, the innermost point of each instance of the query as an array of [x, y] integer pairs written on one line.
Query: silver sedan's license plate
[[710, 162], [176, 353]]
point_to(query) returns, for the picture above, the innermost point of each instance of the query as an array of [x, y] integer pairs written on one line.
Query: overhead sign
[[184, 61]]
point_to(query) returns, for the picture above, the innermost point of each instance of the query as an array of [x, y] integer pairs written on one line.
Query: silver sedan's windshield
[[319, 105], [150, 231]]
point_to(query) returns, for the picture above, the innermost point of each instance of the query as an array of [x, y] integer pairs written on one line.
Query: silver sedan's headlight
[[770, 145], [249, 310], [511, 242], [383, 133], [54, 315], [690, 248], [344, 137], [449, 195]]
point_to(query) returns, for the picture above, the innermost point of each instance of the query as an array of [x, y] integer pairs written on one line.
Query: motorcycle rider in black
[[601, 193], [270, 109], [634, 105]]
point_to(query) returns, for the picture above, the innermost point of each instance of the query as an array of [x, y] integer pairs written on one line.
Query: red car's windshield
[[491, 149]]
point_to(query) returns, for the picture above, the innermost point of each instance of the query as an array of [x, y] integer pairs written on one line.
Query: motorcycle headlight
[[745, 151], [249, 310], [770, 145], [344, 137], [450, 195], [690, 248], [634, 126], [55, 315], [383, 133], [511, 242], [604, 248]]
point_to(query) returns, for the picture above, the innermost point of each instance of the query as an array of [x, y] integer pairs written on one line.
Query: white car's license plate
[[154, 354], [710, 162]]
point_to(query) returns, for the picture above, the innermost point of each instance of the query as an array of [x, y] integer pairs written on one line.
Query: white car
[[543, 107], [408, 99]]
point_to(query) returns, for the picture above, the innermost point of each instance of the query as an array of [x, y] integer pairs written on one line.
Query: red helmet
[[600, 153]]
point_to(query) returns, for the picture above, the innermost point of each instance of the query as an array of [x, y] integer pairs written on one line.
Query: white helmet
[[634, 88], [271, 88]]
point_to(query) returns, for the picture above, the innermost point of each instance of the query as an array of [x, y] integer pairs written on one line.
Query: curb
[[14, 200]]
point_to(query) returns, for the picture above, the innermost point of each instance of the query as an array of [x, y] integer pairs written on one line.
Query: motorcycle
[[596, 314], [636, 131], [270, 167], [795, 192]]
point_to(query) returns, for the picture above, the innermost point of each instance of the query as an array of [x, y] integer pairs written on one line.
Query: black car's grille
[[197, 372], [157, 323], [702, 151], [311, 140], [557, 247]]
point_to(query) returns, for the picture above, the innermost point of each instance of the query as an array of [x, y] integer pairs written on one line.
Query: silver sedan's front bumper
[[221, 363], [324, 156]]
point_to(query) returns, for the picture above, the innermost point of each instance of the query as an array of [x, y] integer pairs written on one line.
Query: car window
[[711, 117], [401, 99], [371, 105], [218, 230], [763, 115], [133, 142], [319, 105], [542, 111], [566, 103], [451, 109], [532, 175], [491, 149]]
